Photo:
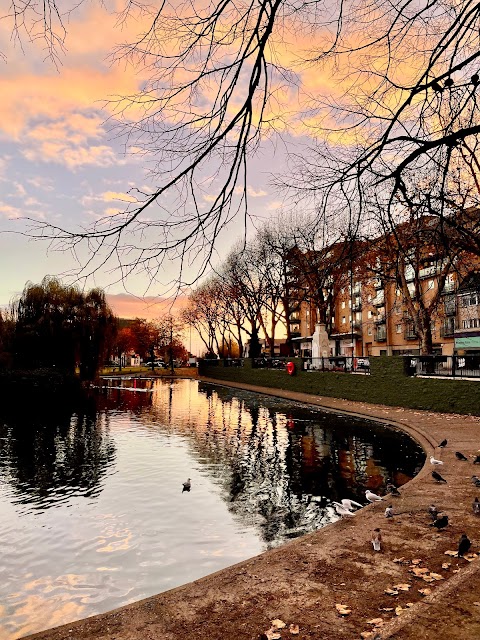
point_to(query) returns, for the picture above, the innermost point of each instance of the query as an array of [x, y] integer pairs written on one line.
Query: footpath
[[411, 590]]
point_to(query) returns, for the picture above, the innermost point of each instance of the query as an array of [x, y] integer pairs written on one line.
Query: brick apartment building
[[370, 309]]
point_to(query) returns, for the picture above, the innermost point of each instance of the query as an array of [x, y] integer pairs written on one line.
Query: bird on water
[[187, 485]]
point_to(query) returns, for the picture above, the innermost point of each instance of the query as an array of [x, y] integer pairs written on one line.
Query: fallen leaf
[[294, 629], [450, 553], [375, 621], [402, 587], [367, 634], [273, 634], [425, 592], [388, 609], [342, 609], [446, 565], [416, 561], [455, 570], [391, 592], [419, 571], [398, 560], [436, 576], [278, 624], [398, 610], [428, 579], [409, 604]]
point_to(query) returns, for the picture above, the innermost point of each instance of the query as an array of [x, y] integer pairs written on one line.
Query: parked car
[[156, 363]]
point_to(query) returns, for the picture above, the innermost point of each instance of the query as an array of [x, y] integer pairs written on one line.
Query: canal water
[[92, 512]]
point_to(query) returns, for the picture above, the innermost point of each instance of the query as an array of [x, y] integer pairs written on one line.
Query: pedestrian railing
[[467, 366]]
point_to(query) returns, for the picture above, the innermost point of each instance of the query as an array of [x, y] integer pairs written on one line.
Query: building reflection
[[281, 466]]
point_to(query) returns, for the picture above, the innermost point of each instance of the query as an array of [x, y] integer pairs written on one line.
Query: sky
[[60, 164]]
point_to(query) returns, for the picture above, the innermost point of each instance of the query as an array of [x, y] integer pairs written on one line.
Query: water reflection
[[47, 456], [92, 513]]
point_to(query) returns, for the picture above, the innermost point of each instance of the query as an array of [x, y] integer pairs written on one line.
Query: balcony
[[447, 330], [379, 299], [449, 306]]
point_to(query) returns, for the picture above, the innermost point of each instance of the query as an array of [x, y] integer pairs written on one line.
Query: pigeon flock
[[439, 520]]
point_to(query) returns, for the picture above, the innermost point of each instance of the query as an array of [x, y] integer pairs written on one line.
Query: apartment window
[[398, 328], [471, 300], [342, 290], [358, 316], [344, 320], [369, 314], [343, 304]]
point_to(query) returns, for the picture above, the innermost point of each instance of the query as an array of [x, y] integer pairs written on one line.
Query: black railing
[[344, 364], [448, 366]]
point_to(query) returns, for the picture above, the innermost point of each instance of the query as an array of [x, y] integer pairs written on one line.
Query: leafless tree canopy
[[395, 127]]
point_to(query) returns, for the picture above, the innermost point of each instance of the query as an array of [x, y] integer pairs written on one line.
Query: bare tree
[[404, 99]]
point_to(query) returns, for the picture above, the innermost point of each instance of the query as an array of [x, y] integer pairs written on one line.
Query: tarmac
[[411, 590]]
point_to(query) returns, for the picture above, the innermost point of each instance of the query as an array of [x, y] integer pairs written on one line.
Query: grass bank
[[387, 384]]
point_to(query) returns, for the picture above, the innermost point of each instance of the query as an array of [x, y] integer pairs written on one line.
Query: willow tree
[[59, 326]]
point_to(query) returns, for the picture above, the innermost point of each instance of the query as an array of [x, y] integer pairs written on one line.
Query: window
[[471, 300], [369, 330], [398, 328], [358, 316], [349, 302], [344, 320], [343, 304], [369, 314]]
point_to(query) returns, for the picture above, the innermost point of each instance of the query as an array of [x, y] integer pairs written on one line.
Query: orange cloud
[[125, 305]]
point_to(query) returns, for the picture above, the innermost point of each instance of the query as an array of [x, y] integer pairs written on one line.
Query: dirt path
[[302, 581]]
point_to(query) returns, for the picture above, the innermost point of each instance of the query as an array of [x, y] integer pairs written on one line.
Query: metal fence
[[450, 366], [344, 364]]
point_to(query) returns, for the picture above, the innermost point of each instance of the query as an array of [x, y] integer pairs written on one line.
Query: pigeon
[[341, 510], [187, 485], [372, 497], [349, 504], [476, 507], [436, 476], [435, 462], [443, 444], [464, 545], [389, 511], [376, 539], [477, 460], [441, 522], [392, 490], [459, 455], [476, 481], [433, 511]]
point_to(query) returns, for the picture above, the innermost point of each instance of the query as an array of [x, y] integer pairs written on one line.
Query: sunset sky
[[59, 162]]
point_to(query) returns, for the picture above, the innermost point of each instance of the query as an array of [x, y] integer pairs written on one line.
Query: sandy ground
[[302, 582]]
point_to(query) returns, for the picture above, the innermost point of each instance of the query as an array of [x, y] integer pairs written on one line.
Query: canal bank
[[303, 581]]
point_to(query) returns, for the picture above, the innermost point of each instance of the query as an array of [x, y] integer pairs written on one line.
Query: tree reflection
[[49, 454], [287, 464]]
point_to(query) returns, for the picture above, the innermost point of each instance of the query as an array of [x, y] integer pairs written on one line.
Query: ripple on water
[[92, 514]]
